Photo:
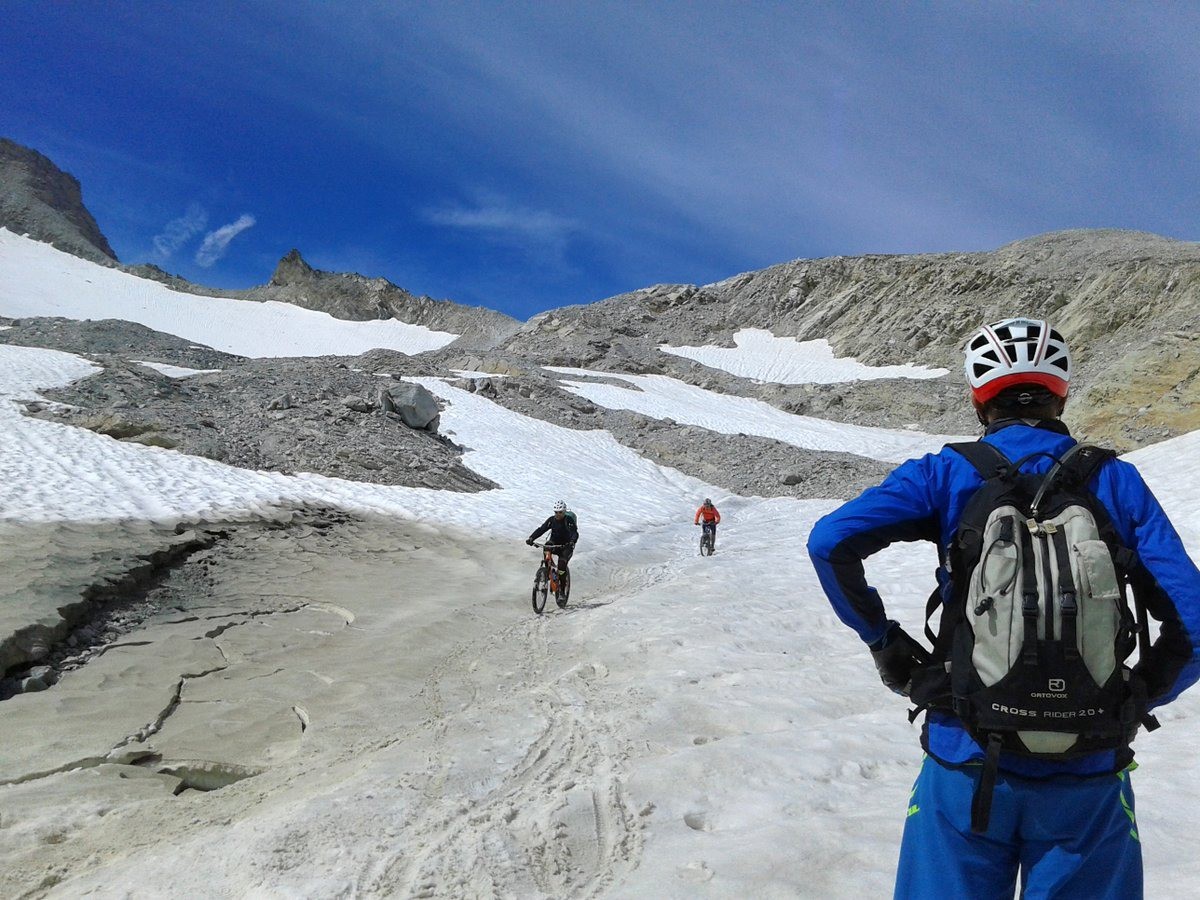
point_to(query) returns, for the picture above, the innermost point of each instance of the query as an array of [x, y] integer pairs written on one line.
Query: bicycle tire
[[706, 547], [541, 588]]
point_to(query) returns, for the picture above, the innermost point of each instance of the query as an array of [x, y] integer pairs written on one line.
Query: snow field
[[723, 732], [38, 280], [760, 355], [739, 716]]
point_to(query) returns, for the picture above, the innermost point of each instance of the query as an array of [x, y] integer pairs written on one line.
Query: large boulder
[[413, 403]]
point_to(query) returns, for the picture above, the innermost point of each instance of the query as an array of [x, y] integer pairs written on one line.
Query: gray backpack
[[1036, 629]]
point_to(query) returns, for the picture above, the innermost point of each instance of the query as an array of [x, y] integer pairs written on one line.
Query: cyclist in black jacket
[[563, 531]]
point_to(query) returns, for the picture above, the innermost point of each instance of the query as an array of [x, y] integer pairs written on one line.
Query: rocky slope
[[342, 417], [1127, 302], [39, 199]]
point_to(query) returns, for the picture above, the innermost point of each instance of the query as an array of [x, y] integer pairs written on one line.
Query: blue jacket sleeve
[[902, 508], [1164, 578]]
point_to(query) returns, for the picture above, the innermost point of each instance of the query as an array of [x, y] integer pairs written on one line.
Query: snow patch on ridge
[[762, 356], [174, 371], [38, 280], [661, 397]]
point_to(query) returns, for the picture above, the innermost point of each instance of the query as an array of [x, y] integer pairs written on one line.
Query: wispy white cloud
[[215, 243], [536, 230], [179, 231]]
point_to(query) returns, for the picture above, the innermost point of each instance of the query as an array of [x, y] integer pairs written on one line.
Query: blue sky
[[525, 156]]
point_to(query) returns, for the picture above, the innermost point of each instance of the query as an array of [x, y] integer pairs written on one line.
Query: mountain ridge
[[1128, 302]]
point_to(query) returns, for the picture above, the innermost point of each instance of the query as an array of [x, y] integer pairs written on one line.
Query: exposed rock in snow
[[413, 403], [285, 415]]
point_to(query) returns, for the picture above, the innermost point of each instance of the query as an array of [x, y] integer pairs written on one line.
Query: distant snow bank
[[38, 280], [661, 397], [174, 371], [764, 357]]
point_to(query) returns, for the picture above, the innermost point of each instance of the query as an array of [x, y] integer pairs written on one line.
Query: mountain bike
[[708, 538], [546, 581]]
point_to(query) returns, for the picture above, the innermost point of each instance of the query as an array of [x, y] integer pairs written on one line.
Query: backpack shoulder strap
[[988, 461], [1074, 469], [1083, 461]]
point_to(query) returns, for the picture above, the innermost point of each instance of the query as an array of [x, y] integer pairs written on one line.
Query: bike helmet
[[1017, 352], [707, 501], [560, 506]]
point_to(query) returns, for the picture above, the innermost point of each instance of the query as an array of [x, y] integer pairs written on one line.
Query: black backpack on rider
[[1036, 627]]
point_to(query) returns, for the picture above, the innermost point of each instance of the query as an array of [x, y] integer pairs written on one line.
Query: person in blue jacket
[[1066, 835]]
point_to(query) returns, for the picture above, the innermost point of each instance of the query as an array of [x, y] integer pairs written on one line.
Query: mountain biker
[[1067, 835], [564, 532], [711, 518]]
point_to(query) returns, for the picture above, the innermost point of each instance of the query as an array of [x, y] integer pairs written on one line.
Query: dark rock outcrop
[[39, 199]]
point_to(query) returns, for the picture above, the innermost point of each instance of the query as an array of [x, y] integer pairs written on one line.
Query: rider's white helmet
[[1016, 352], [560, 506]]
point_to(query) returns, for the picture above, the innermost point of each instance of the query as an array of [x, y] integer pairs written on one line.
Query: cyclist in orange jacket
[[711, 517]]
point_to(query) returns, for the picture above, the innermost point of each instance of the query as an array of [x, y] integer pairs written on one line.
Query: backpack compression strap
[[989, 462]]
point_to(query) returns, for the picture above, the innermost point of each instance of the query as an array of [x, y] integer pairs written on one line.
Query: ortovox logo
[[1058, 684]]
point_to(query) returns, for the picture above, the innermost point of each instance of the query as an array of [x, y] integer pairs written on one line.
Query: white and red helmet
[[1017, 352]]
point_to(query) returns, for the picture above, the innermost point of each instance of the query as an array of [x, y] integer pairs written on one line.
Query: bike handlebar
[[548, 546]]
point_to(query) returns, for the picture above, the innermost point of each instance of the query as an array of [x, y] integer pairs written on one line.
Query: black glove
[[896, 654], [529, 541]]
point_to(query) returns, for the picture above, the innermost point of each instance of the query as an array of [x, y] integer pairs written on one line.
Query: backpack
[[1036, 626], [572, 519]]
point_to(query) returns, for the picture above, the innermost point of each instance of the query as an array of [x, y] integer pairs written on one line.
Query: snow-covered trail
[[687, 727], [647, 739], [659, 737]]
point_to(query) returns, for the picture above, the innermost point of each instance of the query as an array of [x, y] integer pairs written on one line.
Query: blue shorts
[[1066, 837]]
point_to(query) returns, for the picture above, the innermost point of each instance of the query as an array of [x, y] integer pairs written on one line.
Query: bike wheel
[[541, 588], [706, 544]]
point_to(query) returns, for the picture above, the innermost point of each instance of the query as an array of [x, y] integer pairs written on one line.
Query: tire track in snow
[[557, 822]]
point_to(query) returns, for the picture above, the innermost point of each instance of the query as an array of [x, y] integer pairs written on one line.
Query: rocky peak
[[292, 269], [39, 199], [347, 295]]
